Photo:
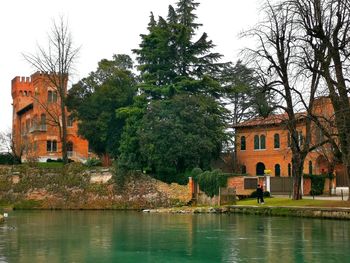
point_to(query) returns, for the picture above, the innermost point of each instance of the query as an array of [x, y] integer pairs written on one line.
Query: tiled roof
[[274, 119]]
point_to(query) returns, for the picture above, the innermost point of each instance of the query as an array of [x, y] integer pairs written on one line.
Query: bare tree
[[280, 59], [8, 145], [56, 61], [326, 27]]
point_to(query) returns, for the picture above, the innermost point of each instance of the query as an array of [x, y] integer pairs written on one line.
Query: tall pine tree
[[180, 124]]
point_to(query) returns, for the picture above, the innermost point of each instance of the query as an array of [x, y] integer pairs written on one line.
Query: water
[[109, 236]]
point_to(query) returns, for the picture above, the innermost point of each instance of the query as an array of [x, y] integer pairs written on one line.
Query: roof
[[274, 119]]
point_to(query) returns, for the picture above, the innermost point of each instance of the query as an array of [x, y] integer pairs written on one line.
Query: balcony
[[38, 128]]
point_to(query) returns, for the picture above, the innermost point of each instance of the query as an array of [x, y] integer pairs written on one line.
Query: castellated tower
[[37, 120]]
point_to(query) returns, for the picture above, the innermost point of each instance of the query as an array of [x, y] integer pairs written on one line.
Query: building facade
[[37, 120], [264, 144]]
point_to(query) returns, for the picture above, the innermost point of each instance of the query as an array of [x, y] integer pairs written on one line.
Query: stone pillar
[[302, 185], [191, 186], [268, 181]]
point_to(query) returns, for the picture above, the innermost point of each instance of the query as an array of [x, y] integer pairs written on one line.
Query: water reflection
[[107, 236]]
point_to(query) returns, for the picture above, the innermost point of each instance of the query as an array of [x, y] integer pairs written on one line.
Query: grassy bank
[[294, 203]]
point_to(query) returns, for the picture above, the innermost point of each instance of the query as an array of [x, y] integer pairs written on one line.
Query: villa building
[[264, 144], [37, 120]]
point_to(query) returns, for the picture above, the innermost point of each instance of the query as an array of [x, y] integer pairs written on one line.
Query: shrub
[[92, 162], [317, 183], [7, 158], [210, 181]]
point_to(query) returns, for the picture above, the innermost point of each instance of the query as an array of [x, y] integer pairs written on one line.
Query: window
[[27, 125], [51, 146], [300, 138], [319, 135], [259, 142], [70, 121], [25, 93], [289, 170], [256, 142], [277, 170], [310, 167], [43, 122], [52, 96], [262, 142], [276, 141], [243, 143], [244, 169], [70, 149], [35, 146]]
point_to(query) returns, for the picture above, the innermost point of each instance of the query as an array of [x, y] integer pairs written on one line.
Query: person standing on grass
[[260, 194]]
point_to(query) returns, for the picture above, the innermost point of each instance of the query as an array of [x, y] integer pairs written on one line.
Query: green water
[[108, 236]]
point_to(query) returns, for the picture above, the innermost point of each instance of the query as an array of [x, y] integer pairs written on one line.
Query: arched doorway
[[322, 165], [260, 168]]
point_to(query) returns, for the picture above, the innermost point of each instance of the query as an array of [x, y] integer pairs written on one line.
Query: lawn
[[50, 165], [289, 202]]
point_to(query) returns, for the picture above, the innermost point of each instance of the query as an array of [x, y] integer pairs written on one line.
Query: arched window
[[52, 96], [262, 142], [244, 169], [243, 143], [289, 170], [70, 148], [300, 138], [43, 122], [25, 93], [27, 125], [277, 170], [70, 121], [256, 142], [276, 141], [310, 167]]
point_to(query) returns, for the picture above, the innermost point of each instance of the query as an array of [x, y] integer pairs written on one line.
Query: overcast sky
[[103, 28]]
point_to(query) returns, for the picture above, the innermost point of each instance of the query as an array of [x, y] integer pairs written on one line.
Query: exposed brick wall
[[30, 102]]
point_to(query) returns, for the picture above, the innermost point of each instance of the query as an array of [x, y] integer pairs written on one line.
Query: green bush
[[93, 162], [210, 181], [317, 182], [7, 158], [27, 204]]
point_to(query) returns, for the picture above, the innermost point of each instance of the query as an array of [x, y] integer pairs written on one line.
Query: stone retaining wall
[[311, 212]]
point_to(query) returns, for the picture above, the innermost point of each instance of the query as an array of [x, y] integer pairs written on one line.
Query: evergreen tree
[[177, 122], [95, 99]]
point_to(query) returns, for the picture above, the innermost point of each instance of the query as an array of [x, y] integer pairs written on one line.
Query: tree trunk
[[297, 166], [64, 127]]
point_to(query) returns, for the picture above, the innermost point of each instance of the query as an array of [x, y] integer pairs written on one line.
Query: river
[[112, 236]]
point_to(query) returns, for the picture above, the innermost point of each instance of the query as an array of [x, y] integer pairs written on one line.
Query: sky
[[103, 28]]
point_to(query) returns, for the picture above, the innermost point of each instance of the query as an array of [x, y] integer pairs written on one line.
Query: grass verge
[[290, 202]]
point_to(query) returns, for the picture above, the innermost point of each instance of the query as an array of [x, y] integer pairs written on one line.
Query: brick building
[[36, 121], [264, 144]]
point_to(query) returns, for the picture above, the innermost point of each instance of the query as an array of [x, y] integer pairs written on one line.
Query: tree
[[7, 145], [326, 28], [244, 96], [95, 99], [282, 60], [174, 69], [56, 61]]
